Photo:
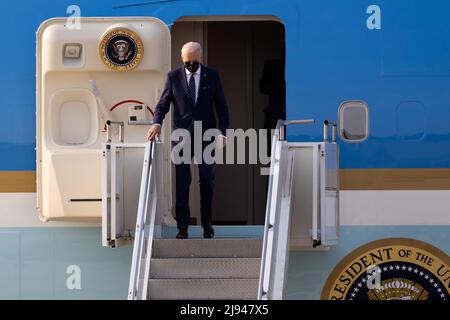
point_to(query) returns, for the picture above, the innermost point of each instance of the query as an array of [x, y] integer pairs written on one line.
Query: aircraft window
[[354, 121]]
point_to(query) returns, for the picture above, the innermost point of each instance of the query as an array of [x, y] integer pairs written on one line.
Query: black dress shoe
[[208, 232], [182, 234]]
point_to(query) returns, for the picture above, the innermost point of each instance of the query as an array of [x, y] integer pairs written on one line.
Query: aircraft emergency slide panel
[[97, 82]]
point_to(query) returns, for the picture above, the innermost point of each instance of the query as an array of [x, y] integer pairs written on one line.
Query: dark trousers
[[183, 182]]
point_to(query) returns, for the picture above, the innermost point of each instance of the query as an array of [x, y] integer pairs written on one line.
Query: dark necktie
[[192, 88]]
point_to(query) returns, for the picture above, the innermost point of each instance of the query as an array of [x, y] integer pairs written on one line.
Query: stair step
[[206, 268], [208, 248], [203, 289]]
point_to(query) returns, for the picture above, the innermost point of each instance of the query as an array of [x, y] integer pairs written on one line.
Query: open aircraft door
[[97, 84]]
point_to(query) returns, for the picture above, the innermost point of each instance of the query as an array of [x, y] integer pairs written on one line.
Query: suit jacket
[[210, 98]]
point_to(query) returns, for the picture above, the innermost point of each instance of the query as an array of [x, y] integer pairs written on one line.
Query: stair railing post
[[133, 291], [274, 197]]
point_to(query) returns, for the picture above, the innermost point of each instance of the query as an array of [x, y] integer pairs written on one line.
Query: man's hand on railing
[[154, 132], [221, 141]]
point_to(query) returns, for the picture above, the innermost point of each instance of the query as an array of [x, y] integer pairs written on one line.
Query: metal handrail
[[281, 126], [326, 124], [145, 217], [266, 251], [121, 130], [267, 258]]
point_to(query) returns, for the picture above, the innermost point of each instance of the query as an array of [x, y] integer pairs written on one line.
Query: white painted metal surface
[[329, 194], [116, 228], [389, 207], [106, 196], [149, 219], [276, 231], [315, 221], [315, 194], [395, 208], [74, 100]]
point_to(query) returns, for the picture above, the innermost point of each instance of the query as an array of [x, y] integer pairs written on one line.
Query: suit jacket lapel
[[203, 80], [184, 80]]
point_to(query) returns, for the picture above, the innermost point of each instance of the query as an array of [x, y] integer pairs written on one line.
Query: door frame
[[224, 18]]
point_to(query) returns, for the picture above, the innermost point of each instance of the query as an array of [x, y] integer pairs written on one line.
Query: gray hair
[[191, 47]]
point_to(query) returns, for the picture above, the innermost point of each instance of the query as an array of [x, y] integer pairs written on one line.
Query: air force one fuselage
[[380, 70]]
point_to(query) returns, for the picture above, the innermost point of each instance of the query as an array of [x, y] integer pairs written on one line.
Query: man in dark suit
[[197, 95]]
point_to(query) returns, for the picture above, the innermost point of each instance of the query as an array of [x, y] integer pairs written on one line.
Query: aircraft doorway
[[241, 51]]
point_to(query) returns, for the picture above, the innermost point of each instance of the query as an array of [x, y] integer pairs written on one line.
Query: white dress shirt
[[196, 76]]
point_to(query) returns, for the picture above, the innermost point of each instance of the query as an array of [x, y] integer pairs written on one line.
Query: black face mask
[[192, 66]]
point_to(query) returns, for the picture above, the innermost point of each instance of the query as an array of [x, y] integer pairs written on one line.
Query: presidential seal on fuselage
[[391, 269]]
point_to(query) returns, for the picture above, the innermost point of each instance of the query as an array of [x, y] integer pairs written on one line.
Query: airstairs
[[205, 269], [221, 268], [228, 268]]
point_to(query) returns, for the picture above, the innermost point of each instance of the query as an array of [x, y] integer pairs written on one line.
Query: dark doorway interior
[[241, 51]]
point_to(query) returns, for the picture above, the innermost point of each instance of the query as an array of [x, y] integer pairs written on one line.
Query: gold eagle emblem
[[121, 49]]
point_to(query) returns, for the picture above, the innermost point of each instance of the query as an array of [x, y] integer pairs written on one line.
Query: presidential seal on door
[[121, 49]]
